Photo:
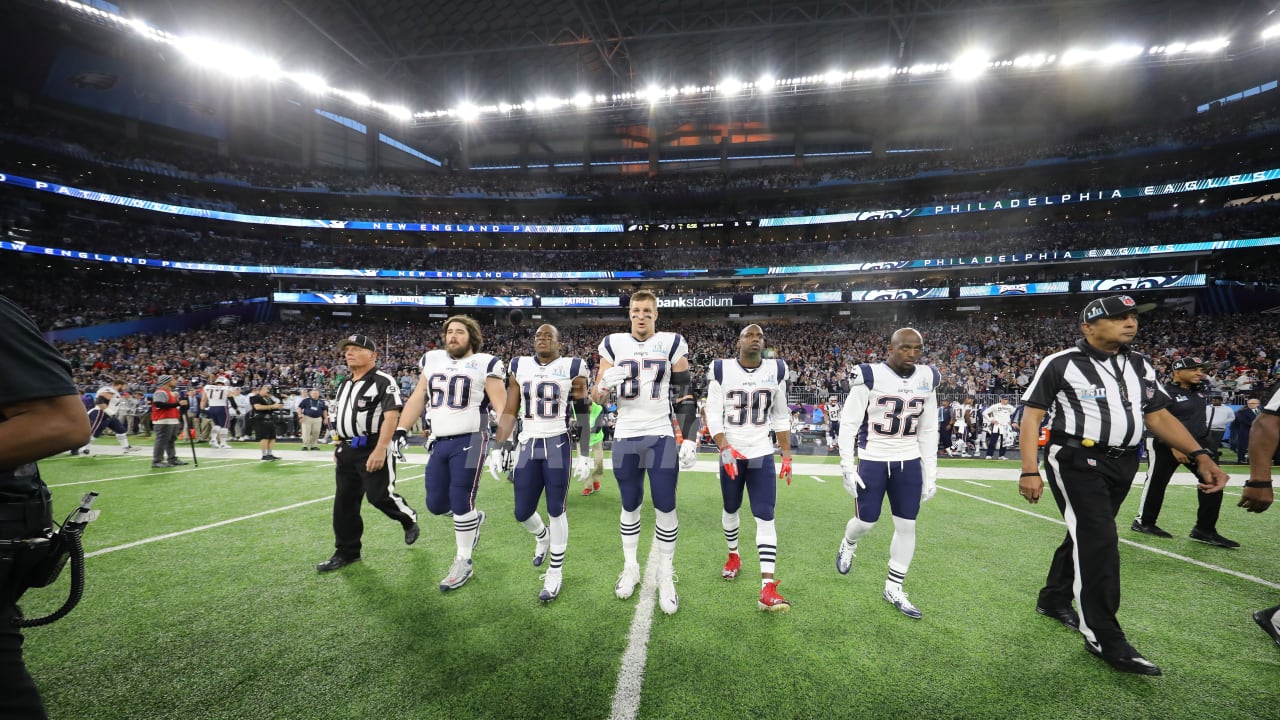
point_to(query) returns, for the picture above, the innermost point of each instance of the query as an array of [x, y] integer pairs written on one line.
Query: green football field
[[203, 602]]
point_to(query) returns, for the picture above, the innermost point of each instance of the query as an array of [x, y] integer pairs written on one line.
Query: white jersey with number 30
[[455, 390], [644, 405], [545, 394], [746, 403], [893, 417]]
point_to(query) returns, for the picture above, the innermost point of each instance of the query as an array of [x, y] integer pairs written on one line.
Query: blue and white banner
[[153, 206], [933, 293], [1036, 288], [1150, 282], [315, 298], [581, 302], [831, 296], [420, 300], [486, 301], [1021, 202]]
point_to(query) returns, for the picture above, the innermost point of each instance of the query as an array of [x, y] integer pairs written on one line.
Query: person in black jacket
[[41, 415], [1188, 406]]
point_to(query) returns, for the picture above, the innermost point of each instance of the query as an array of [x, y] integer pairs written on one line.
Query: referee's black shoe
[[1125, 659], [1152, 529], [1213, 538], [335, 562], [1065, 615], [411, 534]]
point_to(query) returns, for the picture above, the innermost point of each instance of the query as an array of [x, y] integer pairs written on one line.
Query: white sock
[[730, 522], [123, 439], [903, 545], [464, 532], [559, 541], [666, 528], [856, 529], [629, 528], [534, 524], [766, 545]]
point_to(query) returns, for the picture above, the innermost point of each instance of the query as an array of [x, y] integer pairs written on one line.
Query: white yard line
[[975, 482], [626, 698], [815, 477]]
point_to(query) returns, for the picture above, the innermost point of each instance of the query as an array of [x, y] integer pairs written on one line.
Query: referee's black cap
[[1191, 363], [357, 340], [1112, 306]]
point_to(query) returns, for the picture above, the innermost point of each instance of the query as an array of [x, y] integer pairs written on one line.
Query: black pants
[[353, 482], [1160, 468], [1213, 443], [1089, 488], [19, 698]]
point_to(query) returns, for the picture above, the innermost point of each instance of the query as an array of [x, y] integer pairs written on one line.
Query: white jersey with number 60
[[892, 417], [644, 405], [455, 390], [545, 394]]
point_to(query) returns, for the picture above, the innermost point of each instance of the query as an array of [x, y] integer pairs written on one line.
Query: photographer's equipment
[[38, 561]]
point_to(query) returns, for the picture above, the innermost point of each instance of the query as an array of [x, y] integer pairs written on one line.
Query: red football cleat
[[732, 566], [587, 490], [771, 600]]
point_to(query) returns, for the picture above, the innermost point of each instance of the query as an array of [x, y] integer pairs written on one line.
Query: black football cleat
[[336, 562], [1065, 615], [1267, 620], [1212, 538], [411, 534], [1126, 660], [1150, 530]]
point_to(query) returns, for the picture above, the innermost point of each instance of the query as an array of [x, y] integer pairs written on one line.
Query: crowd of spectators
[[977, 354]]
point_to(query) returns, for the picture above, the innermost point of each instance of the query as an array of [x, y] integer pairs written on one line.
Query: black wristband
[[1257, 483], [1032, 474], [1194, 453]]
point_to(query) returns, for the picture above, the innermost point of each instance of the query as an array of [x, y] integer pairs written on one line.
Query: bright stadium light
[[467, 112], [1273, 31], [766, 83], [1208, 46], [310, 83], [581, 100], [833, 77], [1118, 53], [970, 65], [1075, 56], [1030, 61], [399, 112], [731, 86]]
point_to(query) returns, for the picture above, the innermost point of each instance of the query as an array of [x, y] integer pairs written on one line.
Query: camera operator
[[264, 421], [40, 415]]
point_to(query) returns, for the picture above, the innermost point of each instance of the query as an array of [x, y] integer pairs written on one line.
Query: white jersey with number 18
[[545, 394]]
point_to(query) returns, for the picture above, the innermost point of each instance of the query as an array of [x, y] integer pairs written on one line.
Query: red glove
[[786, 470], [729, 458]]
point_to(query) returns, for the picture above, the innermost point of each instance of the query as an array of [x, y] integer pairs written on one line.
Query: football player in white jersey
[[833, 423], [649, 371], [213, 401], [998, 420], [453, 387], [893, 406], [539, 390], [746, 398], [106, 405]]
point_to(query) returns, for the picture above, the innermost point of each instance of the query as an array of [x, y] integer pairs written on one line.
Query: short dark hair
[[643, 295]]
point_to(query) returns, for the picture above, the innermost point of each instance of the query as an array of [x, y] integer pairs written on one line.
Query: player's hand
[[688, 454], [785, 473], [929, 469], [613, 377], [399, 441], [1212, 477], [582, 467], [1031, 486], [498, 462], [1256, 500], [853, 482], [928, 489], [729, 458]]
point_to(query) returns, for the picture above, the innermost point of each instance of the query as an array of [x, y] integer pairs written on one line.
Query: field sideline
[[203, 602]]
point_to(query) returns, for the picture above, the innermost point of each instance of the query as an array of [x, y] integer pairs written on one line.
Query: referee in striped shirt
[[368, 409], [1098, 395]]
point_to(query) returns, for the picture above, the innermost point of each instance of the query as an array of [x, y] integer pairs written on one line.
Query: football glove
[[729, 458], [785, 474], [853, 482], [688, 454], [582, 467], [499, 461], [399, 441], [930, 486], [613, 377]]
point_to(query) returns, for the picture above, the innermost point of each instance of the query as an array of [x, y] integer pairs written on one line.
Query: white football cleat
[[845, 555], [628, 579], [551, 582], [899, 600], [459, 573], [668, 600], [540, 547]]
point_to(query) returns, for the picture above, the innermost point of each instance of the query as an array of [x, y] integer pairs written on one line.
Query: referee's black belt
[[356, 442], [1110, 451]]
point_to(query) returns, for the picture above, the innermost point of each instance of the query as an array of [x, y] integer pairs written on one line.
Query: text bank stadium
[[887, 358]]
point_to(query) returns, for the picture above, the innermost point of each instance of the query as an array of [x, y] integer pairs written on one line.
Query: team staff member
[[1188, 406], [1258, 493], [368, 410], [166, 417], [41, 414], [1099, 394], [311, 416], [1219, 417], [595, 435], [264, 423], [746, 400], [455, 384]]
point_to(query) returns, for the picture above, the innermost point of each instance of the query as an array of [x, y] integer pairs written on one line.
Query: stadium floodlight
[[1273, 31], [399, 112], [731, 86], [1208, 46], [467, 112], [1075, 56], [970, 65], [1118, 53], [504, 108], [833, 77], [1030, 61], [1175, 48], [310, 83], [582, 100], [766, 83]]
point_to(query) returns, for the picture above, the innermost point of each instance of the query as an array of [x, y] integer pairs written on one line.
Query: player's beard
[[459, 351]]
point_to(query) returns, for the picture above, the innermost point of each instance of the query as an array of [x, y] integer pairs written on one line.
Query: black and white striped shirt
[[1271, 403], [1094, 395], [362, 401]]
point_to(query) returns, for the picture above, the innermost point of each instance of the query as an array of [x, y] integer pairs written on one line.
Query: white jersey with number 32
[[545, 394], [893, 417], [644, 405]]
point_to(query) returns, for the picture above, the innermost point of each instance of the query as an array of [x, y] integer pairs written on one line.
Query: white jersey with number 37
[[455, 390], [545, 394], [644, 405], [893, 417]]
